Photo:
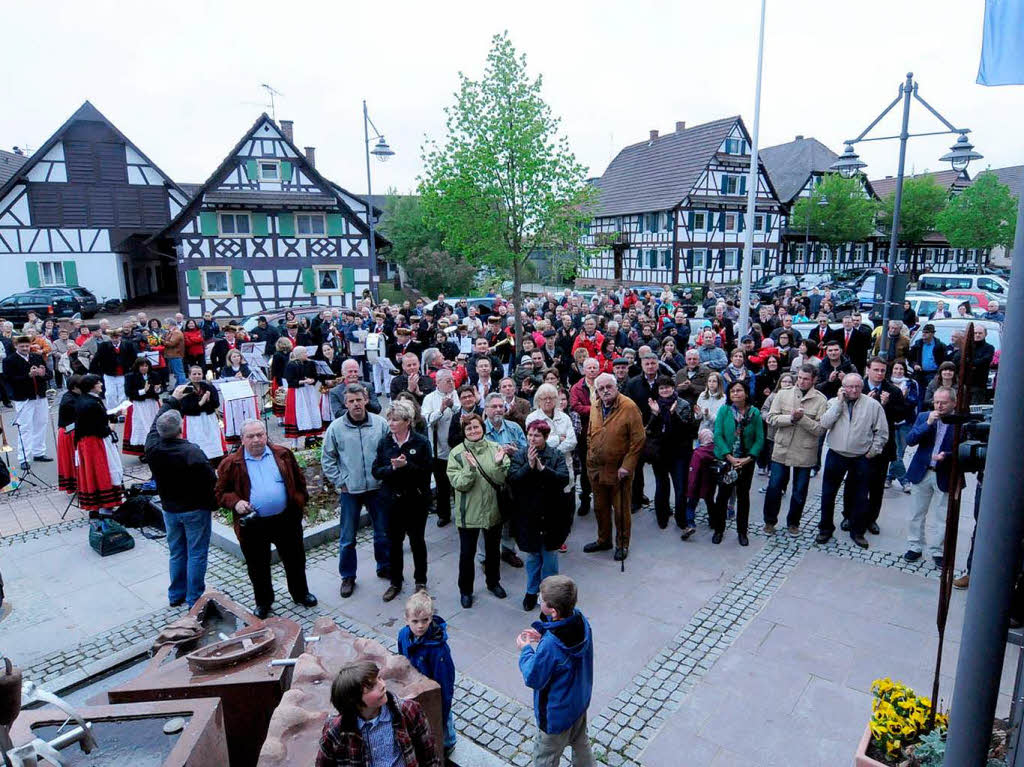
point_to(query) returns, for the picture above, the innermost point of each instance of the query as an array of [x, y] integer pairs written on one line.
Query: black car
[[16, 308], [768, 289], [88, 305]]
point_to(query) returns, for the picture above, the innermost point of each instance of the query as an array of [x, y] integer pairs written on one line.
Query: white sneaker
[[906, 486], [888, 483]]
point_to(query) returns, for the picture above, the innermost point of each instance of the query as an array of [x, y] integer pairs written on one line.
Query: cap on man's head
[[403, 332], [619, 361]]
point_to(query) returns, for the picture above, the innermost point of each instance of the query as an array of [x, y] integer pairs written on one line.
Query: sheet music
[[322, 368], [465, 345], [251, 346], [256, 375], [255, 360], [153, 357], [310, 351]]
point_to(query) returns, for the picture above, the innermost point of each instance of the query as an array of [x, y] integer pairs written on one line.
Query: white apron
[[204, 431], [307, 409]]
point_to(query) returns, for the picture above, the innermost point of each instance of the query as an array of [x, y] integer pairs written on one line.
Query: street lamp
[[849, 164], [382, 152]]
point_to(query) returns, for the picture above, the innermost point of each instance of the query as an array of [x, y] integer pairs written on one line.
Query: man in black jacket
[[350, 375], [832, 369], [26, 374], [981, 363], [926, 354], [185, 480], [265, 334], [113, 360], [854, 343], [221, 347], [878, 387], [642, 389]]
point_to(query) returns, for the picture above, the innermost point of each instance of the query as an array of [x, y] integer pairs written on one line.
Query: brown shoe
[[509, 557], [769, 529], [794, 530], [391, 593], [962, 582], [348, 585]]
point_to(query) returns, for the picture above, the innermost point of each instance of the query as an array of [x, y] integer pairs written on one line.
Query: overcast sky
[[182, 79]]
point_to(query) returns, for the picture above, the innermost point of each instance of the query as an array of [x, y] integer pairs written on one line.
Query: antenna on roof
[[271, 92]]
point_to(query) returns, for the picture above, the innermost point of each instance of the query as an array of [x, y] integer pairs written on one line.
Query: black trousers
[[742, 485], [444, 488], [878, 470], [285, 532], [467, 553], [581, 451], [638, 483], [407, 517]]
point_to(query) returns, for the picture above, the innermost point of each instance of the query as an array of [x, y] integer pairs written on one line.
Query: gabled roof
[[1013, 176], [9, 164], [659, 174], [945, 178], [279, 198], [789, 165], [87, 113]]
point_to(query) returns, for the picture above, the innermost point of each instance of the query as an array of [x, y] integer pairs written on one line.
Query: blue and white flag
[[1002, 45]]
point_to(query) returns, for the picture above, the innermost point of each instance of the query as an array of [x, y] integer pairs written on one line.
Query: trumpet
[[51, 397]]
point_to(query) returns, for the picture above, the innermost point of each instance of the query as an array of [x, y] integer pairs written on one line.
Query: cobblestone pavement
[[620, 731]]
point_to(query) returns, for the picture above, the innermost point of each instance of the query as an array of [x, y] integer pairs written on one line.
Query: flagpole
[[747, 263]]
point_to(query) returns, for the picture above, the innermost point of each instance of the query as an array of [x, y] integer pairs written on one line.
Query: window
[[799, 252], [310, 224], [328, 280], [758, 257], [699, 222], [730, 222], [990, 285], [732, 258], [269, 170], [700, 259], [51, 273], [942, 255], [639, 259], [216, 282], [234, 224], [730, 184], [734, 146], [758, 222], [667, 220]]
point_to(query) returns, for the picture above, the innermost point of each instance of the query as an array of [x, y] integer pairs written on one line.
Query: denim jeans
[[777, 486], [350, 504], [188, 541], [177, 366], [449, 731], [855, 495], [897, 469], [675, 470], [539, 565]]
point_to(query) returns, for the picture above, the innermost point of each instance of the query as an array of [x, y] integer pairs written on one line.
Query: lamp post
[[849, 164], [382, 152]]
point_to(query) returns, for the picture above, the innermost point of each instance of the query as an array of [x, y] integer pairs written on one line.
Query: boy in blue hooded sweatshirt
[[557, 661], [424, 641]]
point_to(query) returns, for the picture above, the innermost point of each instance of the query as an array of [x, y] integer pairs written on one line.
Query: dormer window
[[269, 170], [735, 146]]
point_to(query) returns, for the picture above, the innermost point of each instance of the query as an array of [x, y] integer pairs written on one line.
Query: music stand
[[28, 476]]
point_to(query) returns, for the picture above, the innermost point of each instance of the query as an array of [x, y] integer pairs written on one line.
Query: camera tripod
[[26, 476]]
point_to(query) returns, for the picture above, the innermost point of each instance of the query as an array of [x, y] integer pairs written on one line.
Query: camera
[[246, 519], [974, 432]]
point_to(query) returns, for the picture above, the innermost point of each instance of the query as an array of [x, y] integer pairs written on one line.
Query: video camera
[[974, 432]]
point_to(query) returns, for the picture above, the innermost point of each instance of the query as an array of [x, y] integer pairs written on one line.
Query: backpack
[[141, 512]]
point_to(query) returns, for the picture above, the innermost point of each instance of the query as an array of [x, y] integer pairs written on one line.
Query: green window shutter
[[32, 272], [743, 184], [741, 222], [250, 170], [208, 223], [689, 258], [259, 224], [348, 279], [652, 259], [767, 222], [335, 225], [194, 280], [238, 282], [689, 221], [286, 171], [723, 184], [286, 224], [721, 222], [309, 280], [70, 273]]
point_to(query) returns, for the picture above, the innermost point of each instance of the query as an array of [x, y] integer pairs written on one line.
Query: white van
[[939, 282]]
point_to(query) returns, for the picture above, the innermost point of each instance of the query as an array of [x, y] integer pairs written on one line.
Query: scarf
[[734, 372], [665, 410], [741, 422]]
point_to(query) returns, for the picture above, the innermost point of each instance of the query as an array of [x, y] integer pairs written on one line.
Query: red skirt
[[276, 409], [67, 476], [99, 474]]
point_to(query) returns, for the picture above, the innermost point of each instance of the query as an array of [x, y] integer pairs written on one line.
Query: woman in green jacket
[[739, 438], [476, 469]]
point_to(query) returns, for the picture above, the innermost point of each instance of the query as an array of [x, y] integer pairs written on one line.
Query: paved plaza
[[704, 655]]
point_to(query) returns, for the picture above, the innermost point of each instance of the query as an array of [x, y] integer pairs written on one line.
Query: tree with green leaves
[[404, 225], [983, 216], [438, 271], [923, 200], [504, 183], [840, 212]]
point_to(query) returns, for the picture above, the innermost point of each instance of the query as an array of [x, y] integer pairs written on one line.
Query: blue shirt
[[928, 356], [379, 739], [268, 494], [510, 433]]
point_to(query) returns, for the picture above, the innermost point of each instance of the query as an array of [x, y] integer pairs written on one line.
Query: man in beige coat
[[796, 415], [615, 437]]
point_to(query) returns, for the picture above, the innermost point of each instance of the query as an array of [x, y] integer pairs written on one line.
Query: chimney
[[680, 126], [654, 133], [287, 127], [311, 156], [799, 137]]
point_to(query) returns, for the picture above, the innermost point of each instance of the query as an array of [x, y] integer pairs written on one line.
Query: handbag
[[652, 445], [506, 501], [724, 473], [108, 537]]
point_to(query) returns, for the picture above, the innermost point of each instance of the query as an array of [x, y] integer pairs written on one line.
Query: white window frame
[[759, 222], [731, 227], [738, 145], [51, 280], [758, 257], [236, 215], [729, 179], [311, 216], [798, 253], [732, 258], [338, 277], [700, 222], [208, 292], [277, 170], [700, 258]]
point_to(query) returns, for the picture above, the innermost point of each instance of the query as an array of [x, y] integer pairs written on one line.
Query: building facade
[[79, 210]]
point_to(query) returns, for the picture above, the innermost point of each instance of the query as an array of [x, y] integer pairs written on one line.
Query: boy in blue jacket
[[557, 661], [424, 641]]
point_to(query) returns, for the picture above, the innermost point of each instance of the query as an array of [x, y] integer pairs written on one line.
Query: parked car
[[770, 288], [941, 282], [923, 303], [15, 308], [818, 280], [87, 302], [276, 316], [944, 332], [978, 299]]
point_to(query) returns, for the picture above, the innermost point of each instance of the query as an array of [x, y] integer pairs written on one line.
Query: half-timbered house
[[78, 211], [672, 210], [268, 230]]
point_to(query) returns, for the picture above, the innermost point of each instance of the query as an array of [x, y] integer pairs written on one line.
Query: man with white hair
[[350, 374], [438, 408], [581, 396]]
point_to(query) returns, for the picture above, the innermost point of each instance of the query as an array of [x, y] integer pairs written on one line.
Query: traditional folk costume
[[29, 395], [142, 412], [113, 359], [67, 475], [236, 412], [100, 476], [302, 416], [200, 425], [277, 381], [327, 382]]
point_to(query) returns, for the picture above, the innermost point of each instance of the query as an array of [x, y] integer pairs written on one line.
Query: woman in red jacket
[[195, 346]]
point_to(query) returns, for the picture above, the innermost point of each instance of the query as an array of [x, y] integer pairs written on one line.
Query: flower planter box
[[223, 536], [861, 758]]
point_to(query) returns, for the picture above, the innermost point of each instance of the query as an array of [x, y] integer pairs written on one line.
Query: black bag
[[506, 501], [141, 512], [724, 473], [651, 450], [108, 537]]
